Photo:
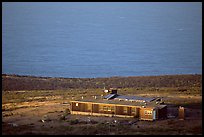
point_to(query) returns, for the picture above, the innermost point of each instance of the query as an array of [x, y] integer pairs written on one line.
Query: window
[[89, 107], [109, 108], [105, 108], [77, 104], [125, 109], [112, 108], [100, 108], [148, 112], [133, 110]]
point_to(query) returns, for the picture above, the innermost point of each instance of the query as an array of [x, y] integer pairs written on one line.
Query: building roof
[[110, 96], [114, 98], [151, 104], [129, 98], [134, 98]]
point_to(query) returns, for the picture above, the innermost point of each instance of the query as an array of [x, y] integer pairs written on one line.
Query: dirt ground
[[52, 118]]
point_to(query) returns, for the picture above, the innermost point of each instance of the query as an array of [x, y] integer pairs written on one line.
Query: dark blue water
[[101, 39]]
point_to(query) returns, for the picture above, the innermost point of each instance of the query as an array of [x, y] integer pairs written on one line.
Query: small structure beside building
[[181, 113], [120, 106], [111, 91]]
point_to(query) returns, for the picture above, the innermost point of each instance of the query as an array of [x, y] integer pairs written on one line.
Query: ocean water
[[101, 39]]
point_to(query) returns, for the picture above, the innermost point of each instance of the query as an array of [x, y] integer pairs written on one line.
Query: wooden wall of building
[[146, 114], [162, 113], [96, 108], [119, 110]]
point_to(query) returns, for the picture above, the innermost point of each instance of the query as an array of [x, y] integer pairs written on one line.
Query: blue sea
[[99, 39]]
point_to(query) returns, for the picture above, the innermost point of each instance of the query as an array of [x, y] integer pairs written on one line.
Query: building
[[120, 106]]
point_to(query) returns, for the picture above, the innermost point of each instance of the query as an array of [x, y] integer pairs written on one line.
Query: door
[[154, 114]]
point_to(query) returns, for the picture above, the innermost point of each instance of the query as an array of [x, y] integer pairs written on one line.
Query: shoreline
[[33, 76]]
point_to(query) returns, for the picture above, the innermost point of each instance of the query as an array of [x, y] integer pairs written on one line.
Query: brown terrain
[[40, 105]]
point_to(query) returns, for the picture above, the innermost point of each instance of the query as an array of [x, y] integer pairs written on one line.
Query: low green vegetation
[[15, 82]]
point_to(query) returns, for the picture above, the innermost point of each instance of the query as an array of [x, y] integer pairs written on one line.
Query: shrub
[[72, 122], [67, 111], [63, 117]]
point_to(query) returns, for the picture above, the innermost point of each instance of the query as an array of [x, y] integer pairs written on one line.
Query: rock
[[13, 124], [45, 118]]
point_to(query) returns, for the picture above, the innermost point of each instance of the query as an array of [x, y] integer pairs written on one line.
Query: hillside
[[16, 82]]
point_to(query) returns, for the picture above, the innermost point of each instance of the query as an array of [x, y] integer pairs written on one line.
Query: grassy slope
[[164, 86], [15, 82]]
